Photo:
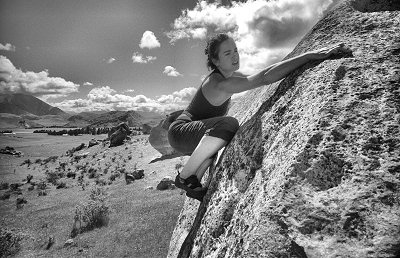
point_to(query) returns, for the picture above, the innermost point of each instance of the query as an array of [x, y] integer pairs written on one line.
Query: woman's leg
[[200, 159]]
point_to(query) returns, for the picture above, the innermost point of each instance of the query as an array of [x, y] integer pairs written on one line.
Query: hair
[[212, 48]]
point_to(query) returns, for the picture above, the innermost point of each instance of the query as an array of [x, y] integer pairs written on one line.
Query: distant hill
[[113, 118], [11, 121], [22, 104]]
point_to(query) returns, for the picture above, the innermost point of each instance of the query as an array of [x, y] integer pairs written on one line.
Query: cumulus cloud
[[106, 98], [7, 47], [13, 80], [88, 84], [264, 31], [139, 58], [129, 91], [171, 71], [149, 40]]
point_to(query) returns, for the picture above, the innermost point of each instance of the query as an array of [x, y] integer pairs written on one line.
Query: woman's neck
[[226, 74]]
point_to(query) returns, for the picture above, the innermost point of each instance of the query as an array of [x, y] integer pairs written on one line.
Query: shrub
[[92, 173], [100, 181], [113, 176], [27, 161], [50, 159], [38, 161], [4, 186], [41, 185], [61, 184], [53, 176], [10, 243], [93, 214]]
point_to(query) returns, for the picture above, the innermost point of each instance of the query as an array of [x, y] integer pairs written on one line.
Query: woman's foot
[[192, 186]]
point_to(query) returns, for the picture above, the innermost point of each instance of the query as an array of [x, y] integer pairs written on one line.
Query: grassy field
[[141, 220]]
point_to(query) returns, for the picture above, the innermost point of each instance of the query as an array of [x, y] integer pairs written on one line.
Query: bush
[[4, 186], [90, 215], [92, 173], [114, 176], [27, 161], [9, 243], [100, 181], [53, 176], [50, 159]]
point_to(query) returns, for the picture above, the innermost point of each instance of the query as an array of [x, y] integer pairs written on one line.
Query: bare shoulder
[[212, 91]]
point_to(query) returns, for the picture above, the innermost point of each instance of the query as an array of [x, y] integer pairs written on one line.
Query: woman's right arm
[[275, 72]]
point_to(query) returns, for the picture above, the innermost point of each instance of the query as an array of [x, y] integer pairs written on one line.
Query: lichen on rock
[[314, 170]]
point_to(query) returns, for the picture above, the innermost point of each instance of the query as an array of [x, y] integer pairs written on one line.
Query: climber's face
[[228, 57]]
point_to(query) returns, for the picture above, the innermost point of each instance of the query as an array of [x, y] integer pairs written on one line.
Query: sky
[[147, 55]]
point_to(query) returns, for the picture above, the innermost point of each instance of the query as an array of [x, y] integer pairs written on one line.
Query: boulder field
[[314, 170]]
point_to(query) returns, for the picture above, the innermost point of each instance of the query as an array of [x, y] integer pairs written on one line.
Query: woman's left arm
[[281, 69]]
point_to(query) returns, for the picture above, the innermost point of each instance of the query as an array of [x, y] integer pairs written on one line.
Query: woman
[[203, 129]]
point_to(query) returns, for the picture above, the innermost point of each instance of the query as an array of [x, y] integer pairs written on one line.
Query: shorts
[[184, 134]]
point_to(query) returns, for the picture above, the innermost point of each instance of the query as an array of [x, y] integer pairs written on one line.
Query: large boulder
[[118, 137], [159, 135], [314, 170]]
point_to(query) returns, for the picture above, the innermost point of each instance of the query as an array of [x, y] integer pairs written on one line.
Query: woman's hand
[[326, 52]]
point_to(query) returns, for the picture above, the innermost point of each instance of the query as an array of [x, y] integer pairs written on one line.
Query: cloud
[[13, 80], [264, 31], [171, 71], [88, 84], [7, 47], [149, 40], [129, 91], [138, 58], [111, 60], [183, 96], [106, 98]]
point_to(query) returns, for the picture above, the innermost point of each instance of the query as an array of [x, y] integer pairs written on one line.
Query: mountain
[[314, 169], [22, 104], [113, 118]]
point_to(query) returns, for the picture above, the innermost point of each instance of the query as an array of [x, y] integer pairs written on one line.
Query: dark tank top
[[199, 108]]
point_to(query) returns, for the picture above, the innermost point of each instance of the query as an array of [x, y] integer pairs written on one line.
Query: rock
[[50, 242], [165, 183], [29, 178], [159, 139], [129, 178], [149, 187], [138, 174], [118, 137], [93, 142], [20, 202], [11, 151], [69, 242], [146, 129], [31, 187], [78, 148], [122, 126], [313, 169]]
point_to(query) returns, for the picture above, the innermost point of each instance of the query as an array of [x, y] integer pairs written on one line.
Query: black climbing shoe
[[192, 187]]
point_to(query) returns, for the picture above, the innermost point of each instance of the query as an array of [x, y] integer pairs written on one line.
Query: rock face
[[314, 170]]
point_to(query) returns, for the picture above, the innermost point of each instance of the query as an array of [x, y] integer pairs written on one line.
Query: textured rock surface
[[314, 170]]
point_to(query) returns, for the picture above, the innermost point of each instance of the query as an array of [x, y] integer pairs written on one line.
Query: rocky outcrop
[[314, 170], [159, 135]]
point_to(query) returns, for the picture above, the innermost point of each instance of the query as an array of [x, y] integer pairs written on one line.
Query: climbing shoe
[[192, 186]]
